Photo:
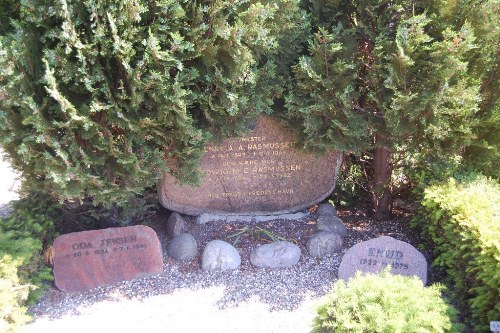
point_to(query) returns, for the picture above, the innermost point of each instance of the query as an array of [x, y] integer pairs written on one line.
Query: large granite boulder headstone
[[375, 255], [88, 259], [260, 173]]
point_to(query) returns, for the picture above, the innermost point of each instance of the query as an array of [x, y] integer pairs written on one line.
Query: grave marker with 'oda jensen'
[[260, 173], [88, 259]]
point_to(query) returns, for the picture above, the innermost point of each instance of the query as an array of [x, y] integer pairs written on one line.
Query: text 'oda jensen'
[[105, 242]]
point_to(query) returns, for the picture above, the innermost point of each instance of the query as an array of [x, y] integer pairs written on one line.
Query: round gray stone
[[323, 244], [331, 223], [175, 225], [275, 255], [326, 209], [220, 255], [183, 247]]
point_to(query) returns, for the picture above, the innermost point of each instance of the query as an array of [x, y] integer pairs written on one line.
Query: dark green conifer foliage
[[95, 95], [483, 17], [9, 10], [321, 102], [400, 90]]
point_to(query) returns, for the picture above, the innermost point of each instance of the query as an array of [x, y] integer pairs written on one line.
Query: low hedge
[[23, 271], [385, 303], [14, 291], [462, 219]]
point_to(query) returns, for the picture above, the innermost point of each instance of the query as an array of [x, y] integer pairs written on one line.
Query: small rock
[[275, 255], [323, 244], [326, 209], [220, 255], [175, 225], [183, 247], [331, 223]]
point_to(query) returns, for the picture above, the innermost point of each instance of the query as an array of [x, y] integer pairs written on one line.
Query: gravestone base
[[205, 218]]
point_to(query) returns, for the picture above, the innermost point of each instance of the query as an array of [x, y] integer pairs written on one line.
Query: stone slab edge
[[205, 218]]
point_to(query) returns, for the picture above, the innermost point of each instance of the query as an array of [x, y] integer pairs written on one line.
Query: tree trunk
[[381, 189]]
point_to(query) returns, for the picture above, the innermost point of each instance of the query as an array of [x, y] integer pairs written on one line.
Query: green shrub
[[9, 9], [26, 232], [13, 293], [462, 219], [23, 272], [33, 216], [385, 303], [28, 262]]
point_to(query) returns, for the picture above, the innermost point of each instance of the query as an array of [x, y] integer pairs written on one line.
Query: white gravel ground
[[185, 298], [184, 310]]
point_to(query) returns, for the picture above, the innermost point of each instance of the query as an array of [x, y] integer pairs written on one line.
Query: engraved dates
[[374, 262]]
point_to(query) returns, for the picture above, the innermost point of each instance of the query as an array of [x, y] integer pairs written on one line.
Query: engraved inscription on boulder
[[376, 254], [259, 173], [88, 259]]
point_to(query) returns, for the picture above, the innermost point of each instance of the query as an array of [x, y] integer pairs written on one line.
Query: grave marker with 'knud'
[[375, 255]]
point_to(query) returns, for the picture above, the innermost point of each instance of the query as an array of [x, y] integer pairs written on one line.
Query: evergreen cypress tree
[[96, 95], [483, 17], [321, 102], [400, 90]]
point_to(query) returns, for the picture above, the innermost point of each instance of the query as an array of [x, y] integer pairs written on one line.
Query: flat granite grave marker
[[88, 259], [376, 254], [260, 173]]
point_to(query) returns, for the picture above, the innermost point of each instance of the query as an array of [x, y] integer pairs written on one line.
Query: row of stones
[[330, 232], [220, 255]]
